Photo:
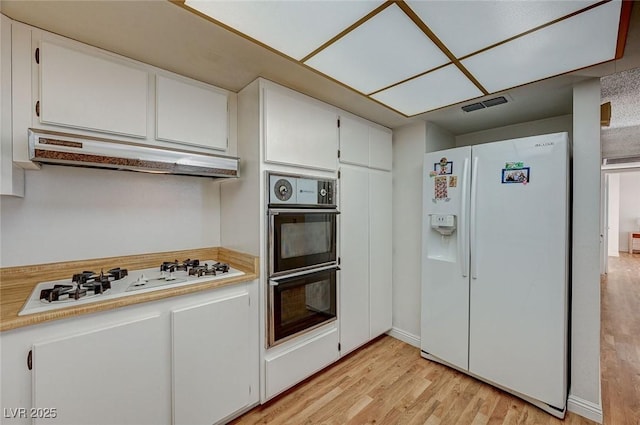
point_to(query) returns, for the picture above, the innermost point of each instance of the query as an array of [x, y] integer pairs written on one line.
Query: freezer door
[[445, 256], [519, 237]]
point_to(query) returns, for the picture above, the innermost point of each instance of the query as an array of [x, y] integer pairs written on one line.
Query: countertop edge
[[18, 293]]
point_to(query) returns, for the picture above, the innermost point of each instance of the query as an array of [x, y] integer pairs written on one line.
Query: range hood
[[48, 147]]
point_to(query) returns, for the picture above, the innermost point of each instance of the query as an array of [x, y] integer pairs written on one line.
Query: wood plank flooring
[[387, 382], [620, 341]]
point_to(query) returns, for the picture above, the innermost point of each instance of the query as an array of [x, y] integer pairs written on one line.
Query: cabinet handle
[[30, 360], [38, 108], [38, 56]]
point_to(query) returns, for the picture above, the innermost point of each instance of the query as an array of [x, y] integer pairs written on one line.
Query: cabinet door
[[91, 91], [192, 113], [380, 272], [210, 360], [108, 376], [354, 141], [354, 256], [11, 177], [299, 131], [380, 151]]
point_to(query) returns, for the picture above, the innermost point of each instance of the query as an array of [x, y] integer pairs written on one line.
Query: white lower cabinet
[[287, 365], [111, 375], [210, 360], [365, 254], [186, 360]]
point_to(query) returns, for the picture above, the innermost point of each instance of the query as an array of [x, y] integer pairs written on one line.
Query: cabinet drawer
[[292, 366]]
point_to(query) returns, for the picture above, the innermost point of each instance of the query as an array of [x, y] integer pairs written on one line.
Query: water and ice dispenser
[[441, 240], [445, 224]]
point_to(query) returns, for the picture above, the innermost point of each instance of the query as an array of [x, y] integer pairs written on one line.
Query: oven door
[[301, 239], [300, 303]]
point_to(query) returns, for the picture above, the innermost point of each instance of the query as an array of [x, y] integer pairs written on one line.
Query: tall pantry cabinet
[[365, 231]]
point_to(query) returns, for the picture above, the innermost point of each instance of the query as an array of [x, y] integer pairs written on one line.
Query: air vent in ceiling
[[495, 101], [485, 104], [473, 107]]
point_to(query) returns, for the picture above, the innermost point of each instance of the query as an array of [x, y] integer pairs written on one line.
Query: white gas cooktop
[[136, 282]]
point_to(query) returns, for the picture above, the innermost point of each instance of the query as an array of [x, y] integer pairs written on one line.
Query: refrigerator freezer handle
[[472, 233], [463, 234]]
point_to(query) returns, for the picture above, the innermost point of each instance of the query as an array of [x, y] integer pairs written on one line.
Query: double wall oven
[[302, 257]]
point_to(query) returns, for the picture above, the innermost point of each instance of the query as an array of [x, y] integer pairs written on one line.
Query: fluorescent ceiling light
[[583, 40], [401, 54], [295, 28], [468, 26], [386, 49], [436, 89]]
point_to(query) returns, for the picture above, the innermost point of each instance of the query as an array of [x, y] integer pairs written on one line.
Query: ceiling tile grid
[[416, 56], [386, 49], [444, 86], [468, 26]]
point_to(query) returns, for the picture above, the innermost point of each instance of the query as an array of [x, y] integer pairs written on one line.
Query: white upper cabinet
[[11, 177], [299, 130], [191, 112], [91, 90], [363, 143], [380, 149], [354, 141]]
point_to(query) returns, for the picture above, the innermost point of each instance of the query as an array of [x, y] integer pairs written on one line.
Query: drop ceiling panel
[[385, 50], [436, 89], [574, 43], [468, 26], [295, 28]]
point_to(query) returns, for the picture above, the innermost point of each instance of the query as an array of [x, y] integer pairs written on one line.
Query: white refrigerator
[[495, 264]]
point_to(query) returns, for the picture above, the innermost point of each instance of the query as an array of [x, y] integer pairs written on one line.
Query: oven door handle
[[273, 211], [276, 282]]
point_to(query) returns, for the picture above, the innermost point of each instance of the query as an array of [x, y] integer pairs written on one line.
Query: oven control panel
[[292, 190]]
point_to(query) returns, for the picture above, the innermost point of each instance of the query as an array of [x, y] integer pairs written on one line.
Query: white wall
[[409, 146], [613, 214], [525, 129], [77, 213], [585, 306], [629, 207]]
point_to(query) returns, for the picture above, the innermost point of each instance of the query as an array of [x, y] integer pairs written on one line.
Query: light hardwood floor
[[387, 382], [620, 341]]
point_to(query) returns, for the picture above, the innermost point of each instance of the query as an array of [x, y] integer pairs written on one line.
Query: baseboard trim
[[405, 336], [584, 408]]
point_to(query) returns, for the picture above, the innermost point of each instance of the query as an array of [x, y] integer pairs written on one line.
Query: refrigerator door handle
[[474, 199], [463, 235]]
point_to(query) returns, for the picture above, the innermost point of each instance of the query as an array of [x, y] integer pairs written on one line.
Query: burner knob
[[323, 192], [283, 190]]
